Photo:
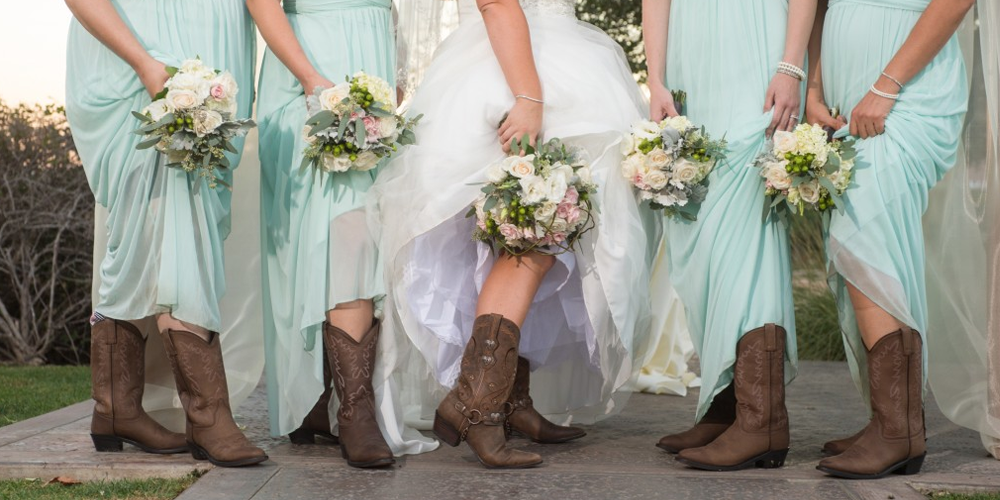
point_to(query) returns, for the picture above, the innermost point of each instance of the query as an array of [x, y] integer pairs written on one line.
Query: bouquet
[[668, 163], [805, 169], [354, 126], [536, 202], [191, 120]]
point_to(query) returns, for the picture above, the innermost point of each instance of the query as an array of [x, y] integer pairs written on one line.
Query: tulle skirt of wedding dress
[[590, 319]]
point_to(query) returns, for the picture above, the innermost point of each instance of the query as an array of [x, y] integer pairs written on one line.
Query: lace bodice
[[469, 12]]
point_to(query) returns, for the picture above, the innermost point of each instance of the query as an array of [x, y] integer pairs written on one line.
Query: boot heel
[[773, 460], [911, 467], [445, 431], [302, 436], [197, 452], [106, 443]]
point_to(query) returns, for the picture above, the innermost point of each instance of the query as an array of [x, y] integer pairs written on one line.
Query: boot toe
[[513, 459]]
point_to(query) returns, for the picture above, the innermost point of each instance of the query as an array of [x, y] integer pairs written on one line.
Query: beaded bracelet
[[791, 70], [894, 97]]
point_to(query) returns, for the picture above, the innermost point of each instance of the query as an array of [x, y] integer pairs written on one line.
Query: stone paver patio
[[616, 460]]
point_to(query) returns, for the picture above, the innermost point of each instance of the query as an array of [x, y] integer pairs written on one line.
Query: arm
[[511, 42], [101, 19], [655, 22], [280, 38], [783, 94], [816, 109], [935, 26]]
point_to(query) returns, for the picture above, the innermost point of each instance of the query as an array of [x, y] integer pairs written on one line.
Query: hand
[[525, 118], [313, 81], [153, 76], [661, 102], [783, 96], [868, 117], [818, 112], [400, 94]]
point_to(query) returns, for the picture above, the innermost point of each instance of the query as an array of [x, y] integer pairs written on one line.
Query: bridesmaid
[[732, 271], [166, 229], [322, 279], [897, 66]]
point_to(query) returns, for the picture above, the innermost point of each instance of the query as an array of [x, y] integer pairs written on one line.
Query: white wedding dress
[[588, 329]]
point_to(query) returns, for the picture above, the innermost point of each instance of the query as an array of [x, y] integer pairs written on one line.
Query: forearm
[[100, 18], [801, 14], [936, 25], [655, 23], [277, 32], [511, 41], [815, 84]]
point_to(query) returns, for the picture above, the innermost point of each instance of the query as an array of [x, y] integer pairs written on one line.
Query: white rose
[[206, 121], [388, 128], [223, 86], [158, 109], [809, 191], [686, 171], [678, 123], [657, 158], [656, 180], [520, 166], [645, 130], [545, 212], [330, 98], [196, 68], [557, 187], [367, 160], [776, 174], [199, 86], [562, 170], [182, 99], [333, 163], [633, 166], [784, 142], [535, 189], [496, 173], [585, 176]]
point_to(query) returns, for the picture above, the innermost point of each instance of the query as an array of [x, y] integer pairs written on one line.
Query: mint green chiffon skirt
[[165, 228], [878, 243], [731, 270], [317, 250]]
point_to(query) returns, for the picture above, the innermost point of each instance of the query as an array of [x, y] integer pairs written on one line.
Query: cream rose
[[686, 171], [657, 158], [520, 166], [332, 163], [679, 123], [367, 160], [388, 128], [776, 174], [809, 191], [546, 211], [158, 109], [656, 180], [182, 99], [632, 166], [784, 142], [330, 98], [206, 121]]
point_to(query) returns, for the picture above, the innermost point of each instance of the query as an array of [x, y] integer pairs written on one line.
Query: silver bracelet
[[897, 82], [791, 70], [529, 98], [894, 97]]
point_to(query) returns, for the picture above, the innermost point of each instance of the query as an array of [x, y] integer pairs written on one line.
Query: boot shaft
[[117, 368], [352, 364], [489, 367], [759, 381], [200, 375], [895, 373]]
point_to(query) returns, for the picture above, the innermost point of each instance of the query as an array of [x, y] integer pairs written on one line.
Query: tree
[[622, 21], [46, 238]]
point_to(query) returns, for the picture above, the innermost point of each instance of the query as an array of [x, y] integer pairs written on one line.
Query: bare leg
[[873, 321], [511, 285], [168, 322], [354, 318]]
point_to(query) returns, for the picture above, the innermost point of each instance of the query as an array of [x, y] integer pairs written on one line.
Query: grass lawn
[[29, 391], [965, 496], [145, 489]]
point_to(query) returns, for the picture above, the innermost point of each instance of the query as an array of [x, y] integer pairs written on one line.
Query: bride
[[483, 321]]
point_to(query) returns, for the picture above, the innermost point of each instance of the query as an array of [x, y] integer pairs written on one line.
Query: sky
[[33, 62]]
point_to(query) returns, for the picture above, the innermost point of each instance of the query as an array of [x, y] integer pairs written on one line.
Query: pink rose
[[218, 92], [357, 114], [558, 237], [568, 211], [572, 196], [481, 224], [510, 232], [374, 131]]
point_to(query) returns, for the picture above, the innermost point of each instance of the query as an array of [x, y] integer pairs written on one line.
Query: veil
[[962, 230], [420, 26]]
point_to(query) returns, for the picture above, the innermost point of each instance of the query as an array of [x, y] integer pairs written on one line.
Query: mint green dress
[[878, 243], [317, 250], [732, 271], [165, 228]]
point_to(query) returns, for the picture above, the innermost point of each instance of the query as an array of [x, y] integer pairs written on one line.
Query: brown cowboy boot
[[352, 364], [117, 372], [893, 442], [759, 436], [212, 433], [317, 421], [526, 420], [476, 409], [720, 415], [838, 446]]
